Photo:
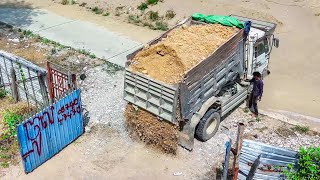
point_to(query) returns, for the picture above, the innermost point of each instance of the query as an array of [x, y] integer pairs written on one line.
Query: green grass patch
[[152, 2], [97, 10], [300, 129]]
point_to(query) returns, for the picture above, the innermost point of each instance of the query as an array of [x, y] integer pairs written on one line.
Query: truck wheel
[[208, 125]]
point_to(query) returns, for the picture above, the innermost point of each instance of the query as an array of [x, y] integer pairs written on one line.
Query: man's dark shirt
[[257, 87]]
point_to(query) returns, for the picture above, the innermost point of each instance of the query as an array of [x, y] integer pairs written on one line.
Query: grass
[[92, 56], [300, 129], [161, 25], [106, 14], [97, 10], [143, 6], [134, 19], [170, 14], [153, 16], [262, 129], [152, 2]]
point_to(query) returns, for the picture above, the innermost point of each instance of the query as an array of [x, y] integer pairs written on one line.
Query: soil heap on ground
[[149, 129], [180, 51]]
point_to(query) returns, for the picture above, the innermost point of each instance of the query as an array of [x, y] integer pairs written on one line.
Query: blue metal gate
[[50, 130]]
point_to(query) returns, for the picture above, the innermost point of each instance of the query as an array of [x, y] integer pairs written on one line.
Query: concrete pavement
[[74, 33]]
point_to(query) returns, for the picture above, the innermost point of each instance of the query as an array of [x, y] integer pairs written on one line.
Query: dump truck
[[211, 89]]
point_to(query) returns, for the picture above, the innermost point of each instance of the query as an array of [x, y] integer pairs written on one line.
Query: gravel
[[102, 96]]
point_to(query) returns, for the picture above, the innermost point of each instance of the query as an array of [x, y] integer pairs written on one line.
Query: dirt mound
[[149, 129], [180, 51]]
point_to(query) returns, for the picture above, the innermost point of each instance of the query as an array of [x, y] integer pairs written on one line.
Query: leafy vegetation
[[153, 15], [106, 14], [161, 25], [97, 10], [170, 14], [308, 166], [152, 2], [143, 6], [300, 129], [10, 120], [3, 93]]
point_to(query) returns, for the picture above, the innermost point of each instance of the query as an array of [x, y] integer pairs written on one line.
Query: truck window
[[260, 48]]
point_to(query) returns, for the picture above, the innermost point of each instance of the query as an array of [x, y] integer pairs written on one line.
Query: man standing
[[256, 92]]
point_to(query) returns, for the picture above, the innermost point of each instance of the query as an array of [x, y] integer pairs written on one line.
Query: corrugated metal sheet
[[50, 130], [273, 160]]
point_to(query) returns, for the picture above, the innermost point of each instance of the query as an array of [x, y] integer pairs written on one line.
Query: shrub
[[170, 14], [308, 166], [152, 2], [143, 6], [153, 15], [11, 120]]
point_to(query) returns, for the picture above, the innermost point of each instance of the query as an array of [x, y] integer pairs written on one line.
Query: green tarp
[[213, 19]]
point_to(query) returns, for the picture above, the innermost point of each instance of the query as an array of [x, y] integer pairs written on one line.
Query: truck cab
[[258, 46]]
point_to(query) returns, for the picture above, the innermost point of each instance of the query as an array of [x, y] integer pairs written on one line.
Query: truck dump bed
[[200, 83]]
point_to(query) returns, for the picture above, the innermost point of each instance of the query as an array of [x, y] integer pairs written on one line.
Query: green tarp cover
[[213, 19]]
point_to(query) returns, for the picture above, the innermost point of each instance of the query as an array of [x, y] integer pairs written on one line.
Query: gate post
[[43, 89], [14, 87], [50, 88]]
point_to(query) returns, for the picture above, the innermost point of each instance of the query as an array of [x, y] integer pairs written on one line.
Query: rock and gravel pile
[[180, 51]]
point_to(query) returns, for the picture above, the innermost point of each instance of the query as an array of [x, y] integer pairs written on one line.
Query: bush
[[152, 2], [153, 15], [160, 25], [143, 6], [10, 120], [170, 14], [308, 166]]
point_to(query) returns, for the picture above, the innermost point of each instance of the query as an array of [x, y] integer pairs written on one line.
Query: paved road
[[75, 33]]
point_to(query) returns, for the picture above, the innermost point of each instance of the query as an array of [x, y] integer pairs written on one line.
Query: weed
[[84, 52], [92, 56], [308, 166], [258, 119], [160, 25], [134, 19], [152, 2], [11, 120], [300, 129], [153, 15], [4, 164], [3, 93], [143, 6], [262, 129], [112, 68], [64, 2], [170, 14], [27, 33], [97, 10], [106, 14]]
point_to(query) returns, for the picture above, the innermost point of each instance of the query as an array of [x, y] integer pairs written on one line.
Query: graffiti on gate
[[47, 132]]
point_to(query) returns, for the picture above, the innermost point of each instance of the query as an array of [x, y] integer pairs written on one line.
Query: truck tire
[[208, 125]]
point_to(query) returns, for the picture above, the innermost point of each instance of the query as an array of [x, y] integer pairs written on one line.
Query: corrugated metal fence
[[31, 80], [273, 160], [46, 133]]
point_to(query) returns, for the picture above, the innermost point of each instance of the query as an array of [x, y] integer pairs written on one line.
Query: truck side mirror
[[275, 42]]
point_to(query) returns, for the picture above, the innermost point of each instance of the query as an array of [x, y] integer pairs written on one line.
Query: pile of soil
[[180, 51], [149, 129]]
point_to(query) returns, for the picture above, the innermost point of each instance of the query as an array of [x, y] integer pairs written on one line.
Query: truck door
[[261, 56]]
